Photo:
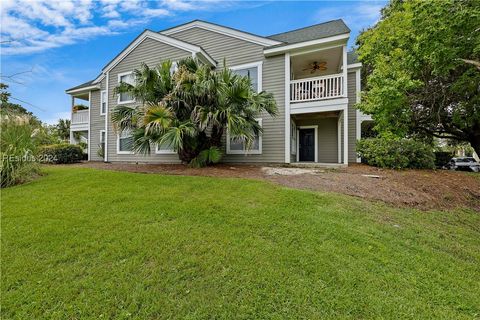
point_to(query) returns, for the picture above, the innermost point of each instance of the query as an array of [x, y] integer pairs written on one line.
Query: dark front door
[[307, 145]]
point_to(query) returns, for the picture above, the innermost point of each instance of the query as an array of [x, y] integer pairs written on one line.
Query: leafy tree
[[6, 107], [421, 63], [191, 109], [62, 129]]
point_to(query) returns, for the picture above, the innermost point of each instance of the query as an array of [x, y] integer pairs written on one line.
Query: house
[[315, 82]]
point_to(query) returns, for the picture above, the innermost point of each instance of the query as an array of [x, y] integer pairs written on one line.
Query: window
[[164, 149], [102, 140], [103, 102], [125, 142], [252, 71], [173, 68], [126, 77], [293, 138], [238, 147]]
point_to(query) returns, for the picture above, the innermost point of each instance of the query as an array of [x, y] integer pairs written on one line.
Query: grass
[[88, 244]]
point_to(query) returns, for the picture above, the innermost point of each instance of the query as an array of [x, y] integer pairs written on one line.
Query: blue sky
[[64, 43]]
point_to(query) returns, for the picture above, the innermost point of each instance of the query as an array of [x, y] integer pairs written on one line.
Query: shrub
[[396, 153], [61, 153], [17, 149], [208, 156]]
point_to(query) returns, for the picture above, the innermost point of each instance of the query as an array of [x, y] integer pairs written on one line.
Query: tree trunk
[[216, 137]]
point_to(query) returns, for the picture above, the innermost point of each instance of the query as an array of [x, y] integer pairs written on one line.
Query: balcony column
[[287, 108], [345, 89], [71, 118]]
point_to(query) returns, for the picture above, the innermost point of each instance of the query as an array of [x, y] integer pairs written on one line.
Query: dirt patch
[[421, 189]]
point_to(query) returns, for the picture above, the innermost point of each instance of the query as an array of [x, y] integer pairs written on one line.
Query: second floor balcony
[[318, 75]]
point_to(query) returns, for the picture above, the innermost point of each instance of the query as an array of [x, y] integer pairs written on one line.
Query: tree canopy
[[422, 77]]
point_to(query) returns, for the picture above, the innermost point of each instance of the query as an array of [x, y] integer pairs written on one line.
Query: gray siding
[[97, 123], [152, 53], [352, 117], [237, 52]]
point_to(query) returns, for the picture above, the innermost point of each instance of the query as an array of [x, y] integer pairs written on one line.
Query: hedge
[[396, 153], [61, 153]]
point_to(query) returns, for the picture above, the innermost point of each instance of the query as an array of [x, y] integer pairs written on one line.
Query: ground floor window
[[125, 142], [235, 146], [164, 148]]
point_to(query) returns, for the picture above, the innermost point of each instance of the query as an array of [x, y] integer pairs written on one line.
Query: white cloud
[[356, 15], [31, 26]]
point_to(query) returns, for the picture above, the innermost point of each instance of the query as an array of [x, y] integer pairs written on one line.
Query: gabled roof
[[317, 31], [247, 36], [149, 34]]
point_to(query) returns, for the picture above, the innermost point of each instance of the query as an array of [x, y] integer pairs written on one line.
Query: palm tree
[[191, 109]]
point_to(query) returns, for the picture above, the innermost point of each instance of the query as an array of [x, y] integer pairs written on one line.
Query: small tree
[[191, 109]]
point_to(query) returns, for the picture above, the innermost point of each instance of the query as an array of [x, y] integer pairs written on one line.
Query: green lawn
[[81, 243]]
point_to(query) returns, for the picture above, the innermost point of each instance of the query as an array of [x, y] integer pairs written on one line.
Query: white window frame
[[158, 151], [118, 147], [315, 144], [260, 143], [120, 75], [258, 65], [102, 93]]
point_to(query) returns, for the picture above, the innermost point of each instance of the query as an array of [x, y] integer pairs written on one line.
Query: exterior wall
[[152, 53], [327, 138], [238, 52], [97, 123], [352, 117]]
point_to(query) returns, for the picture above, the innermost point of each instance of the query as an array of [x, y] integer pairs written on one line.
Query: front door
[[306, 145]]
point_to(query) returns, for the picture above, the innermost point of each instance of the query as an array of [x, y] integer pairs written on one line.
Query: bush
[[61, 153], [17, 149], [396, 153]]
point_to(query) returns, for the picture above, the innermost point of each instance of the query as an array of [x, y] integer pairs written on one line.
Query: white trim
[[294, 46], [102, 92], [99, 78], [157, 151], [345, 74], [258, 65], [319, 106], [315, 144], [105, 156], [223, 30], [339, 140], [118, 147], [354, 65], [287, 109], [82, 89], [260, 143], [120, 75], [301, 52], [89, 146], [358, 119], [345, 135], [161, 38]]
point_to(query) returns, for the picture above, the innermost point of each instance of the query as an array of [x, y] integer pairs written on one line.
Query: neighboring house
[[314, 81]]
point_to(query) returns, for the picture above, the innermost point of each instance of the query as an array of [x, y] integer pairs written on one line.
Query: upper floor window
[[126, 77], [103, 102], [235, 146], [253, 71]]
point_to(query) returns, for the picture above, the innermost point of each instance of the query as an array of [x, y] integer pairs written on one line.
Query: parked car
[[463, 164]]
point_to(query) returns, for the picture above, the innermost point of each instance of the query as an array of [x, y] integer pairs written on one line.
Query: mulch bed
[[420, 189]]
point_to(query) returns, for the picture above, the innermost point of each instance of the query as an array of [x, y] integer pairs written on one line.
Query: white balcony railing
[[318, 88], [80, 116]]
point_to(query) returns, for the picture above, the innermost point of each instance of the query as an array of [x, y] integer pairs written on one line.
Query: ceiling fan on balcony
[[316, 66]]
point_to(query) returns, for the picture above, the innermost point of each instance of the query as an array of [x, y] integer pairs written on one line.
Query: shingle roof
[[83, 85], [317, 31]]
